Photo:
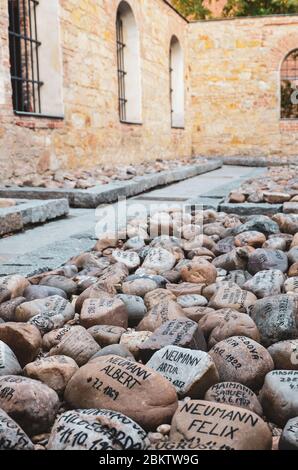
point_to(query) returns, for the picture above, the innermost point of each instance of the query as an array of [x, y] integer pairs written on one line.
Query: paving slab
[[260, 161], [248, 208]]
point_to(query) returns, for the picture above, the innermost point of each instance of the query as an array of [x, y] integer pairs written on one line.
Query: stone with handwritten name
[[276, 318], [220, 425], [233, 297], [9, 365], [24, 339], [133, 341], [139, 287], [279, 396], [291, 285], [263, 259], [259, 223], [198, 272], [32, 404], [60, 282], [241, 359], [285, 354], [96, 430], [159, 314], [8, 308], [157, 296], [191, 372], [289, 437], [235, 394], [130, 259], [76, 343], [136, 309], [12, 286], [266, 283], [104, 312], [113, 350], [183, 332], [105, 335], [12, 437], [42, 292], [193, 300], [54, 337], [95, 291], [159, 260], [230, 261], [53, 371], [125, 386], [212, 289]]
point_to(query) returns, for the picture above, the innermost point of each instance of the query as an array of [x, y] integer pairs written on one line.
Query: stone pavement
[[48, 246]]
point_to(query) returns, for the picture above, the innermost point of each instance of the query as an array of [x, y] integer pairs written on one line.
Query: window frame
[[283, 78]]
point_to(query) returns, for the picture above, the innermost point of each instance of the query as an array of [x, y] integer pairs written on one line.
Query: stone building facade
[[225, 74]]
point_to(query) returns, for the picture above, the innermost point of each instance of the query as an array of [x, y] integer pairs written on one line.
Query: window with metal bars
[[171, 85], [289, 86], [24, 56], [121, 70]]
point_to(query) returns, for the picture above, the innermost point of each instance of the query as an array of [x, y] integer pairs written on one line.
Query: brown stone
[[139, 287], [288, 223], [55, 308], [159, 314], [243, 360], [159, 260], [76, 343], [234, 394], [8, 308], [14, 284], [129, 258], [24, 339], [293, 271], [54, 337], [274, 197], [104, 312], [236, 197], [124, 386], [95, 291], [226, 427], [253, 238], [60, 282], [30, 403], [196, 313], [156, 296], [53, 371], [133, 341], [199, 272], [237, 299], [285, 354], [12, 437], [105, 335]]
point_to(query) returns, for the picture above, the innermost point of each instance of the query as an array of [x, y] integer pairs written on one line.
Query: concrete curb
[[260, 161], [92, 198]]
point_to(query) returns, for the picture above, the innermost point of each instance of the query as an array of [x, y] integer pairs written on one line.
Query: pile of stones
[[279, 186], [98, 175], [160, 342]]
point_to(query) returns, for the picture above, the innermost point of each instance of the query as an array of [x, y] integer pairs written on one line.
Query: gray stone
[[289, 437], [41, 292], [12, 437], [135, 307], [266, 283], [258, 223], [262, 259], [115, 350], [250, 208]]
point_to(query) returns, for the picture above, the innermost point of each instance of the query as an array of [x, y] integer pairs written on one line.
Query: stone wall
[[91, 131], [235, 86]]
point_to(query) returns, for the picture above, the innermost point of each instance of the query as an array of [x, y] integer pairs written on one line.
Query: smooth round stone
[[135, 243], [221, 426], [30, 403], [24, 339], [243, 360], [285, 354], [196, 313], [160, 281], [159, 314], [172, 276], [230, 323], [12, 437], [275, 197], [215, 228], [97, 430], [230, 261], [288, 223], [184, 333], [130, 258], [55, 309], [211, 290], [294, 241], [191, 372], [234, 394], [160, 260], [9, 364], [53, 371], [83, 282], [275, 244], [106, 335], [113, 350], [259, 223], [236, 197], [114, 274], [279, 396], [95, 291], [291, 285], [139, 287], [237, 299], [262, 260], [199, 272], [8, 308], [293, 271], [266, 283], [253, 238], [14, 285], [293, 255], [135, 308], [194, 300], [60, 282], [52, 338], [125, 386], [289, 437], [133, 340], [224, 246], [42, 292], [239, 277], [104, 312], [156, 296], [185, 288], [76, 343], [276, 318]]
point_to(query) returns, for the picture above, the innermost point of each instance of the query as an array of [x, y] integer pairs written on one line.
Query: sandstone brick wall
[[235, 86], [91, 131]]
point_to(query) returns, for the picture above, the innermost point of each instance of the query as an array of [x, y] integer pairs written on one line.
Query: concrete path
[[52, 244]]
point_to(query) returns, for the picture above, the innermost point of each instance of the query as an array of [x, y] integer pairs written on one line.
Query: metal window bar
[[289, 70], [171, 85], [121, 70], [24, 56], [289, 82]]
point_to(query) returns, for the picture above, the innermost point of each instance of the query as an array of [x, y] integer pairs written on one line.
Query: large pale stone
[[234, 298], [159, 314], [9, 364], [159, 260], [266, 283], [234, 394], [12, 437], [104, 312], [24, 339]]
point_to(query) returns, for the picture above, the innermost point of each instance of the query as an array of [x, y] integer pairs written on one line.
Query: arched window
[[176, 83], [129, 66], [289, 86]]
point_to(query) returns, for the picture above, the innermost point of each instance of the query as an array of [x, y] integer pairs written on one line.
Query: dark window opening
[[171, 86], [24, 56], [121, 70], [289, 86]]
